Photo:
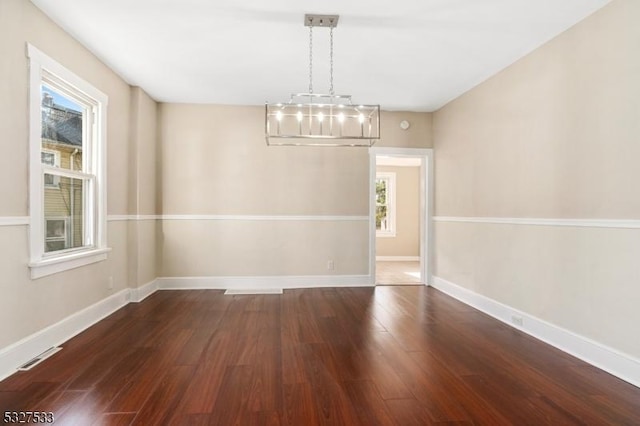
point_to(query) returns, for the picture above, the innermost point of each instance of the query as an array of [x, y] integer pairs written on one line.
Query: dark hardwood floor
[[350, 356]]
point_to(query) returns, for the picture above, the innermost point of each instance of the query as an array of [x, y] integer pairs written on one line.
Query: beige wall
[[555, 135], [143, 165], [201, 248], [143, 153], [31, 305], [419, 134], [215, 162], [407, 239]]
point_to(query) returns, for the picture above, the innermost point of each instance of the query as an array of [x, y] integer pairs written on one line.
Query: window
[[57, 233], [50, 158], [385, 204], [67, 174]]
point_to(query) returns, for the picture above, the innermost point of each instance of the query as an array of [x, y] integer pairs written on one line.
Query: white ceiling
[[405, 55]]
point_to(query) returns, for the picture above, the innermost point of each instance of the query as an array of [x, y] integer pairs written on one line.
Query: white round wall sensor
[[404, 124]]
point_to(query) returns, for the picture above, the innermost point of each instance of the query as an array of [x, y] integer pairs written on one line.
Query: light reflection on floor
[[394, 273]]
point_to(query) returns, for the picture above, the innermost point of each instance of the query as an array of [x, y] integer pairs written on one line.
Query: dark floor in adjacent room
[[347, 356]]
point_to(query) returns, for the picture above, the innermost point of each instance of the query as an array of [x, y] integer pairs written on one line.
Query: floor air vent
[[38, 359], [254, 291]]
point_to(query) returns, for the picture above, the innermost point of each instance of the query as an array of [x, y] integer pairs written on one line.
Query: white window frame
[[56, 163], [45, 70], [390, 177]]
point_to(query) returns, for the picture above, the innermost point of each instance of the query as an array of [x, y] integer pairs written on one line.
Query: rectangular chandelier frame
[[311, 119]]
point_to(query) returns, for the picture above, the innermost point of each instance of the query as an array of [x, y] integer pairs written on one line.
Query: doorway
[[400, 181]]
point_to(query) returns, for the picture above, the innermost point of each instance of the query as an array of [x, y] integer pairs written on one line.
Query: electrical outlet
[[330, 265], [110, 283], [517, 320]]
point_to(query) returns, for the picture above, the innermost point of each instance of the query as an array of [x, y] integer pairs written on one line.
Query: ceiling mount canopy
[[313, 119]]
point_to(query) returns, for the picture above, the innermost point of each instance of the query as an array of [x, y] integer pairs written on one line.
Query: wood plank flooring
[[397, 272], [349, 356]]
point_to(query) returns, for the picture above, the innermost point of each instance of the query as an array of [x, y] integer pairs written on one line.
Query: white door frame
[[426, 206]]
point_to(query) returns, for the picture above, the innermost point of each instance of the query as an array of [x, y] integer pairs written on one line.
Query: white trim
[[269, 282], [140, 293], [123, 217], [15, 355], [397, 161], [71, 174], [53, 265], [397, 258], [608, 359], [426, 204], [14, 220], [586, 223], [45, 70], [427, 186], [327, 218], [119, 218], [54, 67], [257, 218]]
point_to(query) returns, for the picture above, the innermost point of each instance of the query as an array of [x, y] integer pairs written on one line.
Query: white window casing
[[44, 70]]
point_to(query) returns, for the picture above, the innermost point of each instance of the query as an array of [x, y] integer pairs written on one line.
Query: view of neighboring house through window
[[67, 173], [62, 149], [385, 204], [57, 233], [50, 158]]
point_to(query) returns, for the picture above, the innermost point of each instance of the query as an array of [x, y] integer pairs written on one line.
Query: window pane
[[64, 214], [381, 191], [56, 229], [54, 246], [50, 180], [48, 158], [61, 130], [382, 222]]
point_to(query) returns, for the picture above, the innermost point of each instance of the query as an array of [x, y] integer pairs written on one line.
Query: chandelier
[[313, 119]]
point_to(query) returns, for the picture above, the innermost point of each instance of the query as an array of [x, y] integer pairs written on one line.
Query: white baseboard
[[249, 283], [22, 351], [144, 291], [398, 258], [608, 359]]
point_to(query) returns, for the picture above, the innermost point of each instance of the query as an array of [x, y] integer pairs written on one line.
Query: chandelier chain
[[331, 60], [311, 58]]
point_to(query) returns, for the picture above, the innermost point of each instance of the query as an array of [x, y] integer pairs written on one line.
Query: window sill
[[50, 266]]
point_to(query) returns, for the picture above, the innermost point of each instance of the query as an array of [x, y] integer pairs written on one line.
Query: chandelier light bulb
[[320, 117], [341, 117], [299, 115], [279, 116], [361, 118]]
